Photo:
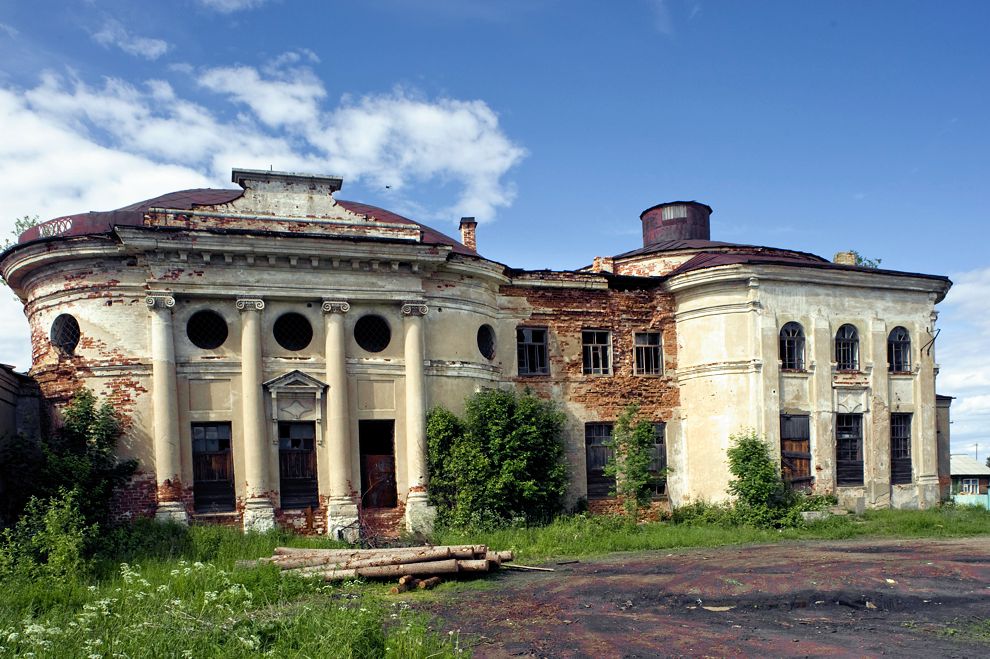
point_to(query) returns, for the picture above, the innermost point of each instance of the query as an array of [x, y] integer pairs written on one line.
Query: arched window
[[899, 351], [847, 349], [792, 347]]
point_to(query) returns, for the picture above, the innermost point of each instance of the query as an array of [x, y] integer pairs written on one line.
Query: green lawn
[[173, 592]]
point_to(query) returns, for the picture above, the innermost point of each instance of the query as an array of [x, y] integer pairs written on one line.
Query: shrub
[[762, 497], [49, 540], [632, 453], [501, 462]]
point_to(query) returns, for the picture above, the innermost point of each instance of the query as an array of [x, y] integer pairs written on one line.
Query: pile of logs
[[405, 562]]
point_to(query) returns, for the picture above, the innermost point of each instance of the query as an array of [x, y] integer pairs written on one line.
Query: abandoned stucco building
[[275, 351]]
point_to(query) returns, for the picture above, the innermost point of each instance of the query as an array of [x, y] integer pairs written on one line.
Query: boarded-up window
[[849, 449], [297, 464], [597, 454], [900, 448], [213, 468], [795, 450]]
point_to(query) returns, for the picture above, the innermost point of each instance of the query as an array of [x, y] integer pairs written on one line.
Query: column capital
[[250, 303], [336, 306], [158, 300], [415, 308]]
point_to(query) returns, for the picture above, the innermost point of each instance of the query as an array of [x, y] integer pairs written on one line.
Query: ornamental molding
[[250, 304], [416, 308], [159, 300], [336, 306]]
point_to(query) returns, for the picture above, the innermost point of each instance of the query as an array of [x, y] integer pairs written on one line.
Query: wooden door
[[795, 451], [380, 489]]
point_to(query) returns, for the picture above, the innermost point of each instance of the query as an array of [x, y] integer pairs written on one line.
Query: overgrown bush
[[502, 462], [632, 454], [49, 540]]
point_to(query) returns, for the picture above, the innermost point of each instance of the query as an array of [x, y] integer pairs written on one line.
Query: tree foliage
[[865, 262], [632, 453], [502, 461], [762, 497]]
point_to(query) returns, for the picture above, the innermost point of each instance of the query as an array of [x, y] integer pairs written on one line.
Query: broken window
[[792, 347], [658, 461], [213, 468], [847, 349], [372, 333], [297, 464], [597, 454], [795, 450], [849, 449], [65, 333], [899, 351], [486, 342], [900, 448], [596, 349], [531, 350], [649, 356]]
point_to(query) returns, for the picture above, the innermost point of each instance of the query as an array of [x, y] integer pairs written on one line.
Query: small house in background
[[970, 481]]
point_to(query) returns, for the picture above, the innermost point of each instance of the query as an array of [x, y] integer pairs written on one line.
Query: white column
[[259, 514], [342, 512], [165, 408], [419, 514]]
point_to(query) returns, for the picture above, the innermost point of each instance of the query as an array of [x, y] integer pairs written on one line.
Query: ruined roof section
[[102, 222]]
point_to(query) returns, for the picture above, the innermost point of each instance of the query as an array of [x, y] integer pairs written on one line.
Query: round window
[[65, 333], [372, 333], [207, 329], [486, 341], [293, 331]]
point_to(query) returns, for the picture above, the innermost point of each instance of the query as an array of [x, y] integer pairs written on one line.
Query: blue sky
[[818, 126]]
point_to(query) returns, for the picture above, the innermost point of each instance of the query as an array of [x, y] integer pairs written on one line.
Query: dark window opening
[[486, 342], [795, 451], [899, 351], [206, 329], [65, 333], [297, 464], [213, 468], [649, 356], [372, 333], [597, 454], [292, 331], [900, 448], [377, 440], [792, 347], [658, 461], [596, 349], [849, 449], [531, 350], [847, 349]]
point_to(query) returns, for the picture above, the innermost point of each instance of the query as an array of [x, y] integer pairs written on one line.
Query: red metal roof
[[97, 222]]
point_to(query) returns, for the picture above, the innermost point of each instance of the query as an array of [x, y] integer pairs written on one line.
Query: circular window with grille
[[292, 331], [65, 333], [207, 329], [372, 333], [486, 341]]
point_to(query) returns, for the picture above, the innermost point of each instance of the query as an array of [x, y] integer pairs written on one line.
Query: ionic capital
[[159, 300], [250, 304], [415, 308], [336, 306]]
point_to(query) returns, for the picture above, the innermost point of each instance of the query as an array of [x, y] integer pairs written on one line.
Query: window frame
[[658, 461], [900, 448], [969, 486], [899, 350], [595, 436], [209, 495], [646, 349], [791, 347], [596, 357], [847, 349], [854, 440], [538, 349]]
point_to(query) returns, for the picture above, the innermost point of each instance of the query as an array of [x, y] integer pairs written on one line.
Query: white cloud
[[661, 17], [963, 352], [230, 6], [9, 30], [113, 33]]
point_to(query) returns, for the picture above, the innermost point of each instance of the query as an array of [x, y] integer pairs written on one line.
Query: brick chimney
[[603, 264], [845, 258], [468, 227]]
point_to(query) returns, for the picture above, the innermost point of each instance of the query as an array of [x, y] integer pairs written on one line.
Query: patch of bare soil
[[909, 598]]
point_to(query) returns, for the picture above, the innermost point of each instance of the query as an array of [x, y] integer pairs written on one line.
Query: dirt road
[[922, 598]]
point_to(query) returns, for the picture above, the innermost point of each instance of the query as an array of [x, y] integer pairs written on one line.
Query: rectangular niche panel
[[376, 395], [206, 395]]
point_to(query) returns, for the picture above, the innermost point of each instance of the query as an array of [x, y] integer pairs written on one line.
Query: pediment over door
[[296, 396]]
